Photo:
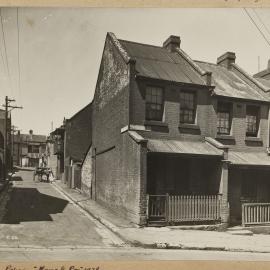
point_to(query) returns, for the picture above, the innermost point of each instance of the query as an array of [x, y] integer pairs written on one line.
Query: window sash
[[187, 107], [154, 103], [252, 121], [223, 118]]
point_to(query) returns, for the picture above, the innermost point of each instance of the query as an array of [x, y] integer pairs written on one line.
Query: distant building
[[55, 151], [68, 145], [29, 149]]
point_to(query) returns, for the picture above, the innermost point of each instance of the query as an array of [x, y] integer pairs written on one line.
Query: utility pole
[[14, 153], [7, 107]]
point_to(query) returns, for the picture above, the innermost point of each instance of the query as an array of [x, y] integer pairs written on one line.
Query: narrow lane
[[39, 216]]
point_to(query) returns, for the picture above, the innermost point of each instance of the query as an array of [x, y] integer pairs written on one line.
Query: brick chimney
[[172, 43], [226, 59]]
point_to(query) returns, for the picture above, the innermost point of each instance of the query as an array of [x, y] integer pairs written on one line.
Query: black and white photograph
[[134, 134]]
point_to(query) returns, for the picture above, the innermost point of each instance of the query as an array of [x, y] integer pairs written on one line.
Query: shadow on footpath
[[16, 178], [28, 204]]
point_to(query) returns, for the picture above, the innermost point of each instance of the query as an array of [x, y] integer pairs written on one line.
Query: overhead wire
[[258, 28], [261, 21], [18, 55], [5, 49]]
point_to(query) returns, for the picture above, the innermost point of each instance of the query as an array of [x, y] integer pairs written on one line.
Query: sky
[[59, 50]]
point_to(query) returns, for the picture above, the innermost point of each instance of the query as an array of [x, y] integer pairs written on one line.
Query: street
[[39, 216], [43, 224]]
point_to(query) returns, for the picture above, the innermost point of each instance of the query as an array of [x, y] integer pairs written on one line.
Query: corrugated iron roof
[[249, 158], [265, 82], [228, 83], [183, 147], [158, 63]]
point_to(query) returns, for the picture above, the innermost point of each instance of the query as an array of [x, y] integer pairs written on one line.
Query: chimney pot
[[172, 43], [226, 59]]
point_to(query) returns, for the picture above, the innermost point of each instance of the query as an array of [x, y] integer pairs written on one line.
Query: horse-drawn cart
[[43, 174]]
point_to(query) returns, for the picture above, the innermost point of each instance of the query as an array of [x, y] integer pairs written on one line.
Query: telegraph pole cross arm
[[8, 108]]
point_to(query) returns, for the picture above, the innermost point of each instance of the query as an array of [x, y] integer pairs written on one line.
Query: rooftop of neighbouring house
[[264, 74], [30, 138], [228, 83], [169, 62]]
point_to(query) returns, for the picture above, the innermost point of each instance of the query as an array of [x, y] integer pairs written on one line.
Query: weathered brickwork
[[116, 165], [87, 173]]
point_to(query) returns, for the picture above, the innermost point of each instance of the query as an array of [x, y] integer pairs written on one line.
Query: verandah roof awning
[[249, 158], [183, 147]]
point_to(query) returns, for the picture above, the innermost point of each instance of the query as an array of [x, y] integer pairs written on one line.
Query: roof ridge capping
[[120, 48]]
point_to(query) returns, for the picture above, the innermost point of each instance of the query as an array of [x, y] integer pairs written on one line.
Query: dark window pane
[[187, 108], [223, 118], [252, 121], [154, 103]]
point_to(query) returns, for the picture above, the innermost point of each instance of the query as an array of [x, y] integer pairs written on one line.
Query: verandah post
[[224, 211], [167, 206]]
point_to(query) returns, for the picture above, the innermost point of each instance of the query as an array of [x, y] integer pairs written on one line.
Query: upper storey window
[[252, 121], [224, 118], [187, 108], [154, 103], [33, 149]]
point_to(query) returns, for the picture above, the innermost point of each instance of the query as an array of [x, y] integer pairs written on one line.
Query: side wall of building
[[78, 134], [116, 157]]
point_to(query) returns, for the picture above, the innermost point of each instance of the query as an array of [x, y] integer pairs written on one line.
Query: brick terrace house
[[177, 140], [29, 149]]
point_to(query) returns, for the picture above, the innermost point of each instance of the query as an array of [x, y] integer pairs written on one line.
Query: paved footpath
[[170, 238], [38, 215]]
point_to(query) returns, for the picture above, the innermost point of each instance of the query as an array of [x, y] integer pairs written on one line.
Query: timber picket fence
[[255, 213], [184, 208]]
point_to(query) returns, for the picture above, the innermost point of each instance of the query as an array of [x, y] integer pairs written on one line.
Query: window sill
[[253, 139], [155, 123], [225, 137], [189, 126]]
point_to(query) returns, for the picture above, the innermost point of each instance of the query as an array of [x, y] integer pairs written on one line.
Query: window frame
[[194, 109], [251, 134], [221, 104], [149, 103], [31, 147]]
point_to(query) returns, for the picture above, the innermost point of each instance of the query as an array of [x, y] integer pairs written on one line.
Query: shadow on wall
[[28, 204]]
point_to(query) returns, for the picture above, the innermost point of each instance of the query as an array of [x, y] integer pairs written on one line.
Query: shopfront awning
[[183, 147], [249, 158]]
